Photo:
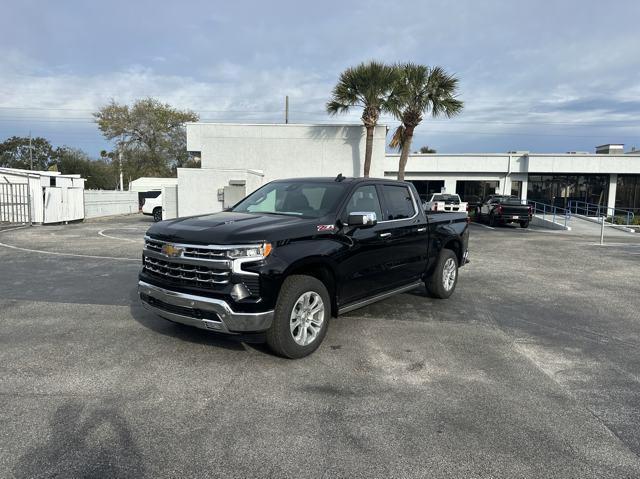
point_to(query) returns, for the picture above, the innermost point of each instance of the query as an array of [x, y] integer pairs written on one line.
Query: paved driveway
[[529, 370]]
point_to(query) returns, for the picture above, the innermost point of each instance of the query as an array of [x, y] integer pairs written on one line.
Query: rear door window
[[398, 202]]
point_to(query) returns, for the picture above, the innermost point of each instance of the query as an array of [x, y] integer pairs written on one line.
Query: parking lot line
[[102, 233], [55, 253], [484, 226]]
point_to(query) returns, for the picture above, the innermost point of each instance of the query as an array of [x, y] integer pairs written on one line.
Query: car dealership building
[[238, 158]]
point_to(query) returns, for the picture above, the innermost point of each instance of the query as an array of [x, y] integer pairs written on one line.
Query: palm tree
[[422, 90], [370, 86]]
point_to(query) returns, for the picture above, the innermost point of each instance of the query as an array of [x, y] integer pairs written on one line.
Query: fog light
[[239, 292]]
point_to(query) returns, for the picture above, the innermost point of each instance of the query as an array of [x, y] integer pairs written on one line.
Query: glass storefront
[[475, 191], [628, 192], [516, 188], [558, 190], [428, 187]]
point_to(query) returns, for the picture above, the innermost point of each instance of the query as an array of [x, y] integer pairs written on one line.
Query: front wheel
[[492, 220], [301, 317], [157, 214], [444, 279]]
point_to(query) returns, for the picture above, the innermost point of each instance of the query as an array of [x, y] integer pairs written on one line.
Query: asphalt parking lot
[[529, 370]]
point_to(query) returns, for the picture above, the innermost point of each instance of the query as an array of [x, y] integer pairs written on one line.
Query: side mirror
[[362, 219]]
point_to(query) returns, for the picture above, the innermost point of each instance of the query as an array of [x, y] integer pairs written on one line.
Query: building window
[[559, 190], [628, 192], [475, 191], [516, 188], [428, 187]]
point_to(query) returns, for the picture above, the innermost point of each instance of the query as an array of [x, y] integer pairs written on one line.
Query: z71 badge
[[328, 228]]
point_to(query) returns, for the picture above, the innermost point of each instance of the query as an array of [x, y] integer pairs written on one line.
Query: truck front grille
[[198, 252], [187, 274]]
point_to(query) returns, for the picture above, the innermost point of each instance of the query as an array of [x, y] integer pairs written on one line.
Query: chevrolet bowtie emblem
[[171, 251]]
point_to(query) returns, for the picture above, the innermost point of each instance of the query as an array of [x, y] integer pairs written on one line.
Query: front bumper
[[199, 311]]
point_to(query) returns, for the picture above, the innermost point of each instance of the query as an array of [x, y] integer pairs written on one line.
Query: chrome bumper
[[201, 312]]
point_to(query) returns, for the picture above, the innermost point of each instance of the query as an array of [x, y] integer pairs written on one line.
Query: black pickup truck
[[296, 252], [502, 209]]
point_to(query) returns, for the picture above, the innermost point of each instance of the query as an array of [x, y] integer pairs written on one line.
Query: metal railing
[[612, 215], [551, 212], [15, 203]]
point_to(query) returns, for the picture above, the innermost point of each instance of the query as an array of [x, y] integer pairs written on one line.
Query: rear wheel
[[301, 317], [444, 279], [524, 224], [157, 214], [492, 220]]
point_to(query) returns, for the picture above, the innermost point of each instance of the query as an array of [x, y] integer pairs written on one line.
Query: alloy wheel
[[306, 318], [449, 274]]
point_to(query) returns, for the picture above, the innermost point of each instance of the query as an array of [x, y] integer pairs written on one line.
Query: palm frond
[[397, 140], [368, 85]]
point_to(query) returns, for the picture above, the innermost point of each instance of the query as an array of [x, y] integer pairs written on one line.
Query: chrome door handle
[[422, 230], [385, 235]]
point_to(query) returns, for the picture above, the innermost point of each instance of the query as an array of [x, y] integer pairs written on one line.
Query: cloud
[[560, 77]]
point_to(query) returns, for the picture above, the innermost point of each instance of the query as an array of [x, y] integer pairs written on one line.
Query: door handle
[[422, 230], [385, 235]]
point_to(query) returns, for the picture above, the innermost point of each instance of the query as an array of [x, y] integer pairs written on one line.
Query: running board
[[374, 299]]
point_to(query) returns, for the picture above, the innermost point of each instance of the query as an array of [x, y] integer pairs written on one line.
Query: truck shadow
[[84, 441], [190, 334]]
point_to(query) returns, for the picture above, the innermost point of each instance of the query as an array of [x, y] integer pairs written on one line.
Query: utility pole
[[30, 152], [286, 109], [120, 162]]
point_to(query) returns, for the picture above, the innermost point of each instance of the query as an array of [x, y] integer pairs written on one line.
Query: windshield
[[453, 198], [295, 198]]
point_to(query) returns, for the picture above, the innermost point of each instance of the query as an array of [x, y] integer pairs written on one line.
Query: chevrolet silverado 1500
[[297, 252]]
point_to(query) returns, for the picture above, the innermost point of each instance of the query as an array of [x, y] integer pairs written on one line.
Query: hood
[[234, 228]]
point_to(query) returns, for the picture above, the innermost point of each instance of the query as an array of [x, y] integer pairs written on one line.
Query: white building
[[151, 183], [238, 158], [40, 196]]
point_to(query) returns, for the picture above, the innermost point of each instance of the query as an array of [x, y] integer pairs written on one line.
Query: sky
[[543, 76]]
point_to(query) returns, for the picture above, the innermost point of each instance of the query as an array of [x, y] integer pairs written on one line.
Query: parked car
[[501, 209], [295, 253], [153, 207], [473, 201], [445, 202]]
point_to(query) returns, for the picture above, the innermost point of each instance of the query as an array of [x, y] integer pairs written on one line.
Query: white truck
[[153, 206], [444, 202]]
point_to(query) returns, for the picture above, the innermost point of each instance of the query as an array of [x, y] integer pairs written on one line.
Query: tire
[[441, 284], [524, 224], [492, 220], [283, 337], [157, 214]]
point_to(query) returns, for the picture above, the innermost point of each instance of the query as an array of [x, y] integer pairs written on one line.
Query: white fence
[[62, 204], [106, 203], [169, 202]]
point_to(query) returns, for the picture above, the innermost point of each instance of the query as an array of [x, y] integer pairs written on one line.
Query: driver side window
[[364, 199]]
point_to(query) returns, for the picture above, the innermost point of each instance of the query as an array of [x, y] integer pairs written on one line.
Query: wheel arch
[[320, 269], [455, 245]]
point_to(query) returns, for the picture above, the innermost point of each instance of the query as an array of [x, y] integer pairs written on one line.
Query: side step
[[374, 299]]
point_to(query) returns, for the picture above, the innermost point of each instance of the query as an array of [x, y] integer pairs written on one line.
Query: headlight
[[258, 251]]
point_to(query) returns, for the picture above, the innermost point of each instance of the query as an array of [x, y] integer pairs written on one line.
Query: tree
[[370, 86], [151, 134], [100, 174], [14, 153], [425, 149], [421, 90]]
